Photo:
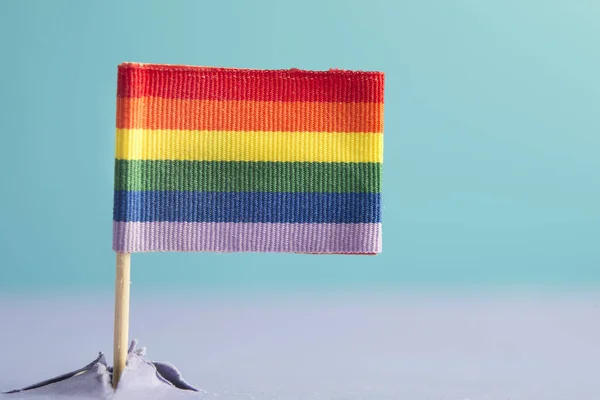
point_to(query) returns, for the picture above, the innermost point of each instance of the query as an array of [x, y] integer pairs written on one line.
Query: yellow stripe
[[144, 144]]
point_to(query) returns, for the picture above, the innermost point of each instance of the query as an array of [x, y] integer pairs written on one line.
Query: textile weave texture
[[229, 160]]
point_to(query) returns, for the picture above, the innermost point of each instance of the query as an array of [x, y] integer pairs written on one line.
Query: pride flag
[[225, 160]]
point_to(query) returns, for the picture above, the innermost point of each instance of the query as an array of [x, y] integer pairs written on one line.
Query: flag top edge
[[290, 72]]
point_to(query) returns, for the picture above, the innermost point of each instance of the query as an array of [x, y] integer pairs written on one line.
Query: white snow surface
[[418, 346]]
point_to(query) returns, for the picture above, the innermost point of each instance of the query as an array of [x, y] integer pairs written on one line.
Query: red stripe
[[205, 83]]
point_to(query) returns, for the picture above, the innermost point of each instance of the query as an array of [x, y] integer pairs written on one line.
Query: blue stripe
[[175, 206]]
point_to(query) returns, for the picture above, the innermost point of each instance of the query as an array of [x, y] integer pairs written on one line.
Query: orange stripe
[[245, 115]]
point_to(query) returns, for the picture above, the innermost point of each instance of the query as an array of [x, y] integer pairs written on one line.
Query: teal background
[[491, 145]]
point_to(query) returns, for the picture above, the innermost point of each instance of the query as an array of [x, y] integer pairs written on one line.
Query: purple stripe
[[133, 237]]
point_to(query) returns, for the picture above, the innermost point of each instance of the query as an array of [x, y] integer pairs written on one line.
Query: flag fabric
[[226, 160]]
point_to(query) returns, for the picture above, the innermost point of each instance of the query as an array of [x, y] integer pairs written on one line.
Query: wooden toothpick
[[121, 338]]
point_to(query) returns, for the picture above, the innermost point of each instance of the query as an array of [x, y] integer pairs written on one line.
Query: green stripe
[[251, 176]]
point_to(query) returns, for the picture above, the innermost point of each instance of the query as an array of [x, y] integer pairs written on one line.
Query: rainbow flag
[[227, 160]]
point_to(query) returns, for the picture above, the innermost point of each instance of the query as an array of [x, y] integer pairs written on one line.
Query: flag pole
[[121, 339]]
